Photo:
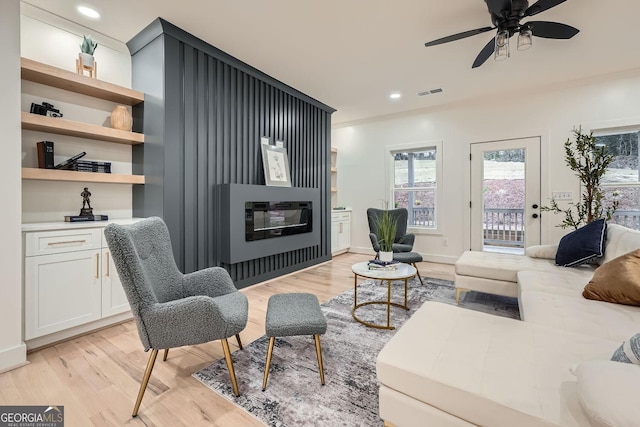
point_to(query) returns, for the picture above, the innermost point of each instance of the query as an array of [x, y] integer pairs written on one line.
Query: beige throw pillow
[[617, 281], [542, 251]]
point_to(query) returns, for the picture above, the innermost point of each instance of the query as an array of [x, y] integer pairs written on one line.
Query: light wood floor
[[96, 377]]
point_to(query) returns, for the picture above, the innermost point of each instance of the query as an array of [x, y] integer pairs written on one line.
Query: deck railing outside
[[505, 227]]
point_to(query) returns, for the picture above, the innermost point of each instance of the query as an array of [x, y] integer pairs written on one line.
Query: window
[[416, 174], [622, 180]]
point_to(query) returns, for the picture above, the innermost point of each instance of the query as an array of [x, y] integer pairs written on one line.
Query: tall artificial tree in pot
[[589, 161]]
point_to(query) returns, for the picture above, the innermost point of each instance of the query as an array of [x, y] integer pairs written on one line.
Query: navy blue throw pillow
[[583, 245]]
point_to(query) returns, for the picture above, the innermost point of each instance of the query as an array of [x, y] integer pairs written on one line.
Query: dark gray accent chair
[[403, 242], [172, 309]]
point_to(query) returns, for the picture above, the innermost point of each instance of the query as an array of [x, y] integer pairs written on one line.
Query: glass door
[[505, 195]]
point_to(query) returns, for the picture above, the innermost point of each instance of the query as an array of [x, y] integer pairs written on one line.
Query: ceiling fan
[[506, 16]]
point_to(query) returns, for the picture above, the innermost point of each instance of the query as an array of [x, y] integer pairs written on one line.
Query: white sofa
[[448, 366]]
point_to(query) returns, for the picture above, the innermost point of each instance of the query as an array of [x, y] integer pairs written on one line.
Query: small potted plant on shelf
[[386, 227], [86, 61]]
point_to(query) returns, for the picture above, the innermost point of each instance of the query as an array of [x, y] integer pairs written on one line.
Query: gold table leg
[[406, 305], [388, 303]]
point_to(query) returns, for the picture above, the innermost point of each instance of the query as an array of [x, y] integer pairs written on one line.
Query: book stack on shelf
[[45, 161], [376, 264], [89, 166]]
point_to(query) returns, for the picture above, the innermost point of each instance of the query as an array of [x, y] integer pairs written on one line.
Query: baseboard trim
[[12, 358], [442, 259], [274, 279], [76, 331]]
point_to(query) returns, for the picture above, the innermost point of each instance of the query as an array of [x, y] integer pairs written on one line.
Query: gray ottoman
[[294, 314], [409, 258]]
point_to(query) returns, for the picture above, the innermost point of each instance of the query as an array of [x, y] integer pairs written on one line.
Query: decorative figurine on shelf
[[86, 213], [85, 60], [86, 201]]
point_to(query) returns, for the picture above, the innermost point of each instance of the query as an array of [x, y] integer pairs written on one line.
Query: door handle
[[535, 206], [535, 215], [97, 266], [107, 262]]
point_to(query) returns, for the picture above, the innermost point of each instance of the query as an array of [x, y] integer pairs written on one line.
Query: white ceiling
[[351, 54]]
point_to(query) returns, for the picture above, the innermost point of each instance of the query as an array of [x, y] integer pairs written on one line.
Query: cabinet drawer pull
[[66, 242], [107, 262], [97, 266]]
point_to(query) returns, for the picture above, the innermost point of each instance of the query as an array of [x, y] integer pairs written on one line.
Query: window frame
[[619, 131], [390, 151]]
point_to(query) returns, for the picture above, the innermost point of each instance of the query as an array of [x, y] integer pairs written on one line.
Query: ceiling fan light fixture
[[525, 38], [501, 50]]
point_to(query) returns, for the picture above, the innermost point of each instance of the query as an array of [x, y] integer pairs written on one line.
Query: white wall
[[55, 41], [12, 349], [551, 114]]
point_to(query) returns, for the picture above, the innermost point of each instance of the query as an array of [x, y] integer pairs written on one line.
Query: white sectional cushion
[[620, 240], [498, 266], [489, 370], [559, 280], [609, 393], [579, 316]]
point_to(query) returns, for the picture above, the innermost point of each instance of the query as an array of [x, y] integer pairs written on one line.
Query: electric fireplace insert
[[266, 220]]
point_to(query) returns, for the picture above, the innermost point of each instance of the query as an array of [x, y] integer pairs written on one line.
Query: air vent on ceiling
[[430, 91]]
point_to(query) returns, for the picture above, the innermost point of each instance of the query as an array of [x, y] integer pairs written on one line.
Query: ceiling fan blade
[[552, 30], [496, 7], [459, 36], [484, 54], [541, 6]]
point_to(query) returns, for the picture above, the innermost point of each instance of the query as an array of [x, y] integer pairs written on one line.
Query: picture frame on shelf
[[276, 166]]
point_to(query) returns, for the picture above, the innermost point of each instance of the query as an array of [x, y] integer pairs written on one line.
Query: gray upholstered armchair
[[172, 309], [403, 241]]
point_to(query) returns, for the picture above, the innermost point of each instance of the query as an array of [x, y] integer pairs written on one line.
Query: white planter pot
[[87, 60], [386, 256]]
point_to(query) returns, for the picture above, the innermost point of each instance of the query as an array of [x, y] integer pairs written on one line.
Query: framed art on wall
[[276, 166]]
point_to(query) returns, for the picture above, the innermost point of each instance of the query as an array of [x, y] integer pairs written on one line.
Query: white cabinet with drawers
[[70, 282], [340, 231]]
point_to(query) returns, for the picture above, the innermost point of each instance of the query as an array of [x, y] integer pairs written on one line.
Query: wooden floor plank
[[97, 376]]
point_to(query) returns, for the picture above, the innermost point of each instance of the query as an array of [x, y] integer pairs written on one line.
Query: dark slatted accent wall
[[216, 108]]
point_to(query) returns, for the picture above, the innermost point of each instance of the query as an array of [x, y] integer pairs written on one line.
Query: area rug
[[294, 396]]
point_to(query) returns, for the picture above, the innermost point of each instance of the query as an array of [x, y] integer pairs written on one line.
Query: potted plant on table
[[386, 227]]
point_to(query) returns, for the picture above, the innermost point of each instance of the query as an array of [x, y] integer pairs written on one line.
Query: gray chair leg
[[418, 271], [145, 380], [232, 372], [268, 364]]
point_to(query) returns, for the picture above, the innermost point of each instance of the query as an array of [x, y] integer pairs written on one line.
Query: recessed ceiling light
[[88, 12], [395, 95]]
